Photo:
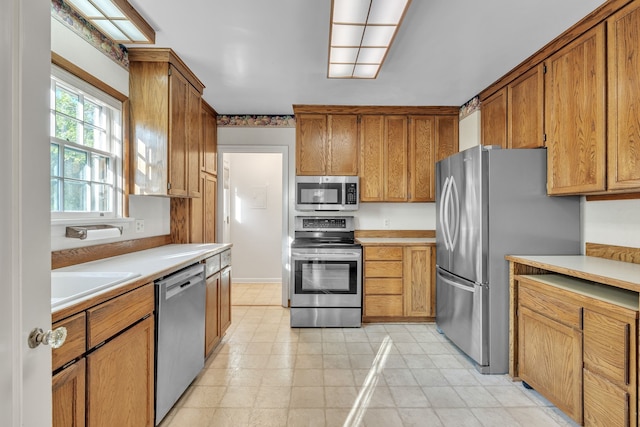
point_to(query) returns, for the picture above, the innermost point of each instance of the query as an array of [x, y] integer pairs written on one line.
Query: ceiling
[[260, 57]]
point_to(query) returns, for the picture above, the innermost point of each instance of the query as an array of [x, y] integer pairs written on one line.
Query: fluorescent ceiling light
[[117, 19], [361, 33]]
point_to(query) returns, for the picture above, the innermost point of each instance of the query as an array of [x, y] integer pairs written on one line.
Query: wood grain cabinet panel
[[178, 144], [76, 343], [493, 119], [623, 142], [120, 379], [417, 278], [525, 110], [202, 227], [209, 139], [383, 269], [383, 306], [605, 404], [383, 253], [550, 360], [396, 158], [225, 300], [575, 115], [109, 318], [563, 311], [194, 142], [422, 145], [212, 314], [372, 154], [311, 137], [343, 144], [68, 396]]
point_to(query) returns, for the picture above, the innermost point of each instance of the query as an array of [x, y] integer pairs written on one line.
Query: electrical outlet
[[386, 223], [139, 225]]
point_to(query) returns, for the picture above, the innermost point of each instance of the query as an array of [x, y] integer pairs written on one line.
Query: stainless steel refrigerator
[[491, 203]]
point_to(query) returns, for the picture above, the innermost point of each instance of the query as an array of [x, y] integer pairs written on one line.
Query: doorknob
[[54, 338]]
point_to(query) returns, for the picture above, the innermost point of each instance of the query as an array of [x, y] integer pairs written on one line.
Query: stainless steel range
[[326, 273]]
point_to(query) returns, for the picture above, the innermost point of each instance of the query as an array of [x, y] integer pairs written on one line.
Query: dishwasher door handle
[[179, 288]]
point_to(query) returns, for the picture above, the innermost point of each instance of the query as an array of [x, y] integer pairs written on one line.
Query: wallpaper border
[[469, 107], [256, 120], [76, 23]]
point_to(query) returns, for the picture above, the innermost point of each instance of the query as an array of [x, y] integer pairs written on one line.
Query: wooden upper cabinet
[[194, 141], [164, 98], [395, 158], [447, 137], [372, 158], [342, 144], [623, 38], [525, 110], [209, 139], [493, 119], [575, 115], [326, 144], [311, 137], [421, 158]]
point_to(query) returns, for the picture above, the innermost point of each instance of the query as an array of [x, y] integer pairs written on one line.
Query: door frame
[[25, 228], [257, 149]]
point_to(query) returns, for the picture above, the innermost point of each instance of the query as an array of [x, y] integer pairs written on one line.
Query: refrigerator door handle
[[457, 285], [455, 198], [444, 212]]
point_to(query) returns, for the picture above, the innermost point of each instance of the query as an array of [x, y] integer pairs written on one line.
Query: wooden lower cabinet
[[577, 346], [550, 360], [212, 333], [225, 300], [68, 396], [398, 283], [120, 379]]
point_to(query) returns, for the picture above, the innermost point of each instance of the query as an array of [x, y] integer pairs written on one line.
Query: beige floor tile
[[340, 397], [429, 377], [277, 377], [459, 377], [476, 397], [268, 417], [239, 397], [421, 417], [335, 416], [510, 396], [399, 377], [494, 417], [459, 417], [308, 361], [536, 417], [306, 417], [192, 417], [308, 378], [443, 397], [230, 417], [336, 361], [409, 397], [273, 397], [338, 377], [204, 397], [307, 397], [382, 418]]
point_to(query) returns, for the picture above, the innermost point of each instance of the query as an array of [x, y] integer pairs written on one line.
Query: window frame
[[117, 107]]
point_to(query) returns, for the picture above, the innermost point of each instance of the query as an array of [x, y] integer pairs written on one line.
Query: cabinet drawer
[[111, 317], [225, 259], [383, 287], [383, 305], [607, 346], [383, 253], [75, 344], [383, 269], [549, 305], [604, 403]]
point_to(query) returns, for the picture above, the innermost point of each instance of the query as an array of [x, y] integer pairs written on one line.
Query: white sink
[[70, 285]]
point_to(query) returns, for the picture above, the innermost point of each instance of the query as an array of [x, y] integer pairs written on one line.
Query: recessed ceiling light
[[361, 32]]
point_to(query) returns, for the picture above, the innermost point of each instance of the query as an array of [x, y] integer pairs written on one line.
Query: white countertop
[[148, 264], [396, 240], [618, 273]]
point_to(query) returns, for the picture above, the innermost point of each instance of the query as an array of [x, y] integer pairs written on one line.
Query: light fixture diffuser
[[117, 19], [367, 27]]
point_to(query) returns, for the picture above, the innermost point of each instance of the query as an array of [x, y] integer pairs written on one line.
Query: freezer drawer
[[461, 314]]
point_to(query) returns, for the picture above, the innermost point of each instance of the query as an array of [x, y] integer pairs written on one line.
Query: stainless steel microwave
[[327, 193]]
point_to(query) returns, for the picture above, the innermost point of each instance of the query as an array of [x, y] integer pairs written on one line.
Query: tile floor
[[264, 373], [256, 294]]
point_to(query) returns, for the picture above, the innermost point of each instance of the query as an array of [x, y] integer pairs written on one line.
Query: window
[[86, 150]]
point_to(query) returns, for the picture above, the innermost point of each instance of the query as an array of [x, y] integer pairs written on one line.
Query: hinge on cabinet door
[[544, 137], [544, 69], [170, 70], [168, 186]]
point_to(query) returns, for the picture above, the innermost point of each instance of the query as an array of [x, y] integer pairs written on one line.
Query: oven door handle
[[343, 256]]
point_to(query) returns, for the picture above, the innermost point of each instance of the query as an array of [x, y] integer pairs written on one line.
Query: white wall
[[154, 210], [256, 216], [469, 131]]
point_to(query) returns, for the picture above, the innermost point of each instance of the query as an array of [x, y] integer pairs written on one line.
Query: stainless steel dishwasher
[[180, 310]]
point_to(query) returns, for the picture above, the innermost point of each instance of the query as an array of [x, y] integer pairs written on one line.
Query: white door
[[25, 255]]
